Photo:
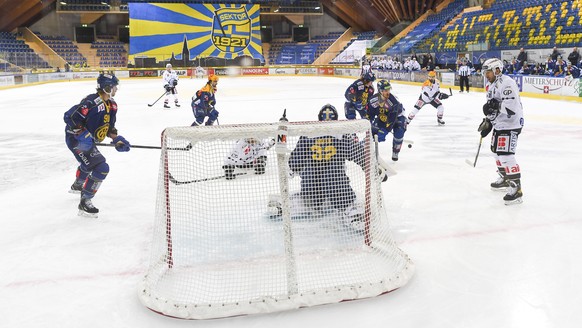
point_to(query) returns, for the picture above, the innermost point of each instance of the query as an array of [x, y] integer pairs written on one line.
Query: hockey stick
[[474, 163], [450, 92], [147, 147], [163, 94], [177, 182]]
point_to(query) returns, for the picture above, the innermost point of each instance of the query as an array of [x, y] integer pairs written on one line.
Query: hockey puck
[[409, 145]]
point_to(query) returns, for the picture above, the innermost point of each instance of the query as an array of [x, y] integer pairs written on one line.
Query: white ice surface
[[479, 263]]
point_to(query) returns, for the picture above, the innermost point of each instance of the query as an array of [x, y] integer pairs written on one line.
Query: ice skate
[[395, 156], [440, 121], [166, 105], [514, 193], [500, 184], [87, 209], [176, 104], [274, 206], [76, 187], [229, 172]]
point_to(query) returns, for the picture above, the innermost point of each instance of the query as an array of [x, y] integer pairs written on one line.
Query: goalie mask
[[327, 113]]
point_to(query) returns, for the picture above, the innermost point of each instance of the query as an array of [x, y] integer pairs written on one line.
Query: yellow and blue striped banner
[[225, 31]]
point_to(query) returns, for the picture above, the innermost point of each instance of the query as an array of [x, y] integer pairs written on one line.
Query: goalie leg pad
[[353, 217]]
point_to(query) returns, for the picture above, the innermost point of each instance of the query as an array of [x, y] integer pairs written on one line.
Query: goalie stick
[[188, 147], [474, 163], [178, 182], [150, 105]]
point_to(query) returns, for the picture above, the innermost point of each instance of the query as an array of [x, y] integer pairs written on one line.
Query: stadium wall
[[529, 85]]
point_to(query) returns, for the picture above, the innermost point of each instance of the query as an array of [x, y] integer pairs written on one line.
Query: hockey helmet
[[492, 64], [327, 113], [432, 75], [106, 82], [369, 76], [383, 85], [168, 66], [212, 78]]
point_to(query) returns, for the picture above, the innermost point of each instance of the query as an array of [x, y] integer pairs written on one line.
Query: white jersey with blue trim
[[505, 90]]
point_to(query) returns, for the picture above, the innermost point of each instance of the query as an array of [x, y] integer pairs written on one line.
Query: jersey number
[[323, 153]]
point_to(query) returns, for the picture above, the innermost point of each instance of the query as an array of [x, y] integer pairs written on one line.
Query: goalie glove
[[485, 127], [491, 107]]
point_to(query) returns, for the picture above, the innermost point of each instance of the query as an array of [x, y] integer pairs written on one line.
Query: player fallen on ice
[[321, 164], [430, 94], [504, 116], [170, 78], [357, 95], [247, 153], [204, 101], [387, 115], [86, 123]]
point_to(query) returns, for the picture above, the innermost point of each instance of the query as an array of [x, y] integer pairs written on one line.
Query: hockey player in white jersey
[[504, 116], [246, 154], [199, 72], [430, 94], [170, 78]]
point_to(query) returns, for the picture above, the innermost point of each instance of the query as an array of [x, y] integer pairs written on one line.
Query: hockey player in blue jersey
[[387, 115], [321, 164], [88, 122], [358, 94], [204, 101]]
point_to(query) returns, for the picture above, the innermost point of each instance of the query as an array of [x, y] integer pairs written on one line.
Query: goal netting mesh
[[311, 228]]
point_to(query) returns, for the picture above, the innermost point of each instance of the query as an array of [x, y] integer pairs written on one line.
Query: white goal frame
[[185, 280]]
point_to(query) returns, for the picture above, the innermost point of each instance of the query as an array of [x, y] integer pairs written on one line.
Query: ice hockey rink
[[479, 263]]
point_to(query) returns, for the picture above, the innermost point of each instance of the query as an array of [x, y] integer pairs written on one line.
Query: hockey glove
[[485, 127], [491, 107], [443, 96], [168, 88], [121, 144]]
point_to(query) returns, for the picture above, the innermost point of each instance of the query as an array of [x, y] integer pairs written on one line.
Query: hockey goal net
[[218, 250]]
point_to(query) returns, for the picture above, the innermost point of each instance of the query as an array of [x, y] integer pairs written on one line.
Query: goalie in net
[[320, 162], [217, 253]]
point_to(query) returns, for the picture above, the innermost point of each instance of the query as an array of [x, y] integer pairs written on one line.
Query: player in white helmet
[[170, 78], [504, 116]]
